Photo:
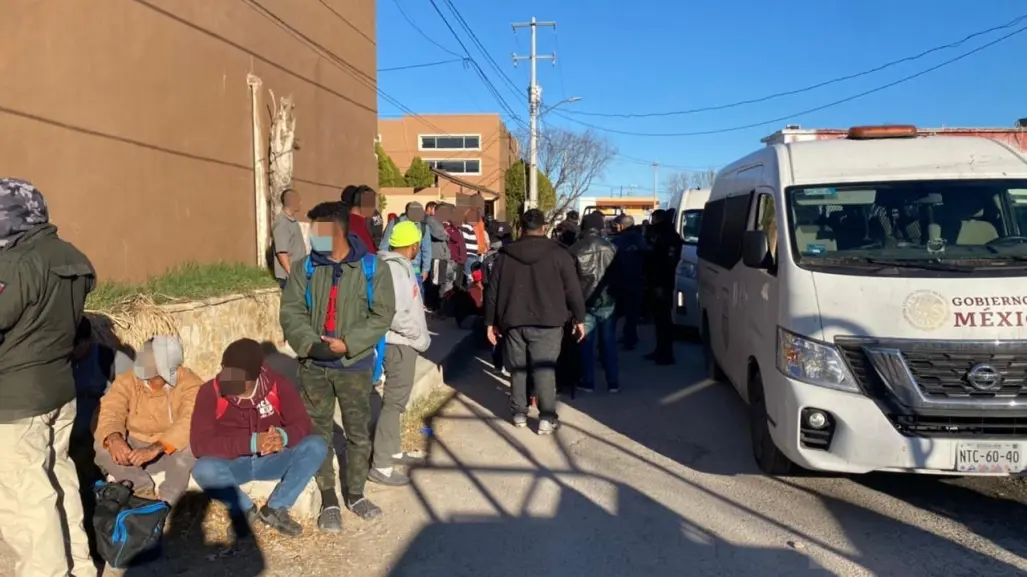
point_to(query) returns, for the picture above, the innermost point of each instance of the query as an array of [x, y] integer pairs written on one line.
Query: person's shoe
[[520, 420], [411, 458], [651, 356], [614, 389], [330, 519], [665, 361], [628, 347], [393, 479], [547, 427], [279, 520], [585, 388], [505, 373], [364, 508]]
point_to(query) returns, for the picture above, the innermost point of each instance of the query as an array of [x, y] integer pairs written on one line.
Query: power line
[[410, 21], [348, 23], [808, 110], [425, 65], [885, 66], [481, 74], [474, 38]]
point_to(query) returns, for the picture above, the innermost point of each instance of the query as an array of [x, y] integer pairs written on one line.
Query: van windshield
[[957, 222], [691, 221]]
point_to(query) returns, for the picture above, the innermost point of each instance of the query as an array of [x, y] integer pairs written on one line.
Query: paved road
[[657, 481]]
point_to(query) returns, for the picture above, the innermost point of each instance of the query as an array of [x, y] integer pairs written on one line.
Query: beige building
[[137, 120], [472, 150]]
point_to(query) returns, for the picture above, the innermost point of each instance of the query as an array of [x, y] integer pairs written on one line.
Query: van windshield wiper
[[921, 264]]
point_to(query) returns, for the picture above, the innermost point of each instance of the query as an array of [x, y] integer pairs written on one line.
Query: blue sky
[[653, 56]]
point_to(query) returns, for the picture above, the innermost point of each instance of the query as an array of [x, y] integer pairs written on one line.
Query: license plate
[[989, 458]]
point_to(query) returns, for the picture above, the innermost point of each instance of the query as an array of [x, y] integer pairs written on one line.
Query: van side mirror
[[756, 250]]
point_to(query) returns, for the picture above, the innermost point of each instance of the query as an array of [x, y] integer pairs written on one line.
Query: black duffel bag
[[126, 526]]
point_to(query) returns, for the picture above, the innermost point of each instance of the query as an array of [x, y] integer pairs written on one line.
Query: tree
[[517, 190], [419, 175], [570, 161], [388, 172], [682, 181]]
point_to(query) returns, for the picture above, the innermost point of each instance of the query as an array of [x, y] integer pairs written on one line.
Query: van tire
[[768, 457], [713, 370]]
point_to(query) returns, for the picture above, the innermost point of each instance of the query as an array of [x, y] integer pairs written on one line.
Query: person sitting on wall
[[144, 420], [250, 425]]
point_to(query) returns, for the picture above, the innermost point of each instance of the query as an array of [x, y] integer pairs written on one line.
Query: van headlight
[[812, 362], [686, 269]]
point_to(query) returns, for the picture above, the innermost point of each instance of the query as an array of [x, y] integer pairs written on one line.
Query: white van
[[687, 210], [868, 298]]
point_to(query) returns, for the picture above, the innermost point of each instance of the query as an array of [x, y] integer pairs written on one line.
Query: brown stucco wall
[[135, 120], [400, 140]]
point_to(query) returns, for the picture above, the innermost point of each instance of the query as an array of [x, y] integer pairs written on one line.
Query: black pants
[[568, 367], [663, 306], [533, 350]]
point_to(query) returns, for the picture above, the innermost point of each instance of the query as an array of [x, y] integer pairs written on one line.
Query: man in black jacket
[[534, 291], [663, 261], [43, 286], [595, 257]]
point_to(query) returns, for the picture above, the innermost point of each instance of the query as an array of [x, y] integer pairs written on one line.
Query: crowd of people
[[353, 308], [553, 304], [74, 411]]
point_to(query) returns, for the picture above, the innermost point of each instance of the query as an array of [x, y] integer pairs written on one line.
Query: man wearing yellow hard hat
[[407, 338]]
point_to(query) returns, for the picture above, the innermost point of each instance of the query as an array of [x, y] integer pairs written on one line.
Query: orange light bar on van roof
[[885, 131]]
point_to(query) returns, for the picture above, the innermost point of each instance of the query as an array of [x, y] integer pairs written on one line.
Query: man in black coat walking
[[534, 290]]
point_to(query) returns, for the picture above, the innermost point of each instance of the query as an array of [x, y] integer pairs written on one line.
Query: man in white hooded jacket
[[407, 338]]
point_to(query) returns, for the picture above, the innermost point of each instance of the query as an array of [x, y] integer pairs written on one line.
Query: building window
[[469, 166], [450, 142]]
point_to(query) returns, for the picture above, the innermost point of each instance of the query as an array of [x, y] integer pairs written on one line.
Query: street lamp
[[533, 148]]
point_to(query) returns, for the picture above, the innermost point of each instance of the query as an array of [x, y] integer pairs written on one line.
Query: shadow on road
[[684, 422]]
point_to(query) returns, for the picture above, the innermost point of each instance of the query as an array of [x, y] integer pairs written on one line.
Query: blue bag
[[370, 263], [127, 527]]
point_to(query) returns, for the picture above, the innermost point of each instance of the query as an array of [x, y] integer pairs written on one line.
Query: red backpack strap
[[222, 403], [272, 397]]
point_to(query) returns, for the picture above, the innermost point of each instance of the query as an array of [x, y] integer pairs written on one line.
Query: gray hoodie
[[439, 238], [409, 326]]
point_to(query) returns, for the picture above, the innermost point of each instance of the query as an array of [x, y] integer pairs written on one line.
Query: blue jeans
[[603, 329], [630, 309], [293, 468], [471, 259]]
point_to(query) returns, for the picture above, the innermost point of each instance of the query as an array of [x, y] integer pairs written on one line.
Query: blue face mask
[[321, 243]]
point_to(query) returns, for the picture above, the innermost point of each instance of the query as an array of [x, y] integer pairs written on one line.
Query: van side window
[[723, 223], [766, 220]]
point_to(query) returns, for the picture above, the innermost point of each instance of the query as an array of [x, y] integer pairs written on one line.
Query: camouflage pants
[[322, 389]]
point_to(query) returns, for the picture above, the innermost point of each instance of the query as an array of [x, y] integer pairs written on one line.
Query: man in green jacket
[[328, 321], [43, 286]]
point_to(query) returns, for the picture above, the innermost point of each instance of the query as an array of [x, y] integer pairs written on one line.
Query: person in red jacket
[[250, 424]]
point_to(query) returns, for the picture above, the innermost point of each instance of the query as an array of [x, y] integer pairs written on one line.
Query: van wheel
[[713, 370], [768, 457]]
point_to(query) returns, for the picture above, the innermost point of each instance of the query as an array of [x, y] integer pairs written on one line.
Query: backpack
[[370, 263], [222, 406], [126, 526]]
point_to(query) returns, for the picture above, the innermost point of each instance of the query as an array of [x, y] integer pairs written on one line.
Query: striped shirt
[[470, 238]]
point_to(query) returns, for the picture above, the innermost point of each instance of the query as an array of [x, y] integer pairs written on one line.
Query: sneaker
[[279, 520], [651, 356], [665, 361], [585, 388], [505, 373], [393, 479], [547, 427], [330, 519], [410, 458], [614, 389], [364, 509], [520, 421]]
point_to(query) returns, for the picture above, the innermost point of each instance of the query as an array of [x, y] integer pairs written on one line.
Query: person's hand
[[337, 346], [273, 442], [424, 276], [493, 336], [140, 457], [118, 448], [579, 329]]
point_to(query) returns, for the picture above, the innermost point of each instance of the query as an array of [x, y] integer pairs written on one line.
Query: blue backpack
[[369, 262]]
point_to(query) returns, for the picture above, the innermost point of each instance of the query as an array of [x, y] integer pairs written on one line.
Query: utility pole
[[656, 169], [534, 102]]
